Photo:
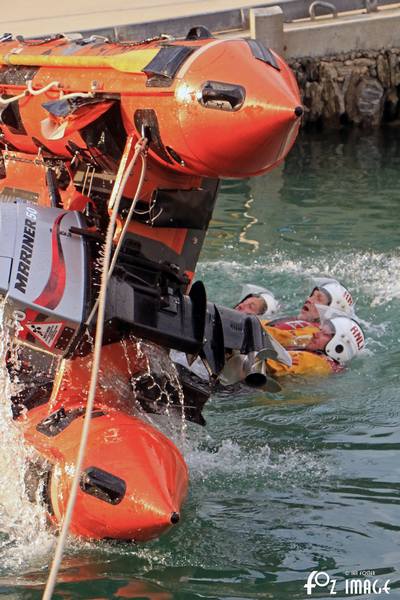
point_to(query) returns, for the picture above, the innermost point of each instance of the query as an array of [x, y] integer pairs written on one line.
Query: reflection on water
[[308, 479], [91, 580], [337, 190], [243, 239]]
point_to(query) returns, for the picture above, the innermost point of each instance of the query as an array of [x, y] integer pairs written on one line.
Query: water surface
[[280, 485]]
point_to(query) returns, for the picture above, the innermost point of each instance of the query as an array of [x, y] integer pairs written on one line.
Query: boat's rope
[[117, 194], [29, 91], [131, 210], [76, 95], [6, 101], [42, 90]]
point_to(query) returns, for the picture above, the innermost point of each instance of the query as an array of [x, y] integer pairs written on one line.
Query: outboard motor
[[44, 274], [47, 276]]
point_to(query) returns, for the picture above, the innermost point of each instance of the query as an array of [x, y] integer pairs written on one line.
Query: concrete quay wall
[[347, 67], [356, 31], [126, 19]]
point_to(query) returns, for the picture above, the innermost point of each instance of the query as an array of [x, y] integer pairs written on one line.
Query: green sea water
[[306, 480]]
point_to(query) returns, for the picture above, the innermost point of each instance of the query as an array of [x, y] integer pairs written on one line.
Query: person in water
[[327, 292], [260, 301], [334, 344], [297, 330], [310, 343], [257, 301]]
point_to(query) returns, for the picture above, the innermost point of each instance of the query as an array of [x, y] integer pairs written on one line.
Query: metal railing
[[231, 19]]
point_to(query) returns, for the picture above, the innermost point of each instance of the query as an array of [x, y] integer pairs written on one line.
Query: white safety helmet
[[256, 290], [339, 297], [348, 339]]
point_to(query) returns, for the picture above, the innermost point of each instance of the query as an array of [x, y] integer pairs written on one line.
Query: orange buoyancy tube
[[211, 107], [305, 363], [134, 479]]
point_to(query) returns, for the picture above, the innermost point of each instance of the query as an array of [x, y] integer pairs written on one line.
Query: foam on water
[[231, 462], [372, 274], [24, 536], [229, 459]]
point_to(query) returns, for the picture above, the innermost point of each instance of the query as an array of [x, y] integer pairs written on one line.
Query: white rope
[[117, 192], [76, 95], [31, 92], [5, 101], [124, 159], [130, 213], [42, 90]]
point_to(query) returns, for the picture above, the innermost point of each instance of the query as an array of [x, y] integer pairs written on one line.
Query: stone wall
[[360, 88]]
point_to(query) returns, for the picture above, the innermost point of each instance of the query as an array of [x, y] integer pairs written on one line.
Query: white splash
[[229, 459], [372, 277], [371, 273], [232, 462], [24, 536]]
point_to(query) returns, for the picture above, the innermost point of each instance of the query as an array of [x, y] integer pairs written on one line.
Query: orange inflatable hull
[[134, 479], [215, 108]]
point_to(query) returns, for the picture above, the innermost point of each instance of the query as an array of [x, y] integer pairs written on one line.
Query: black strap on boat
[[102, 485]]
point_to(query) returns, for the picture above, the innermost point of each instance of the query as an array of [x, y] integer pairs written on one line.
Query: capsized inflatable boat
[[144, 131]]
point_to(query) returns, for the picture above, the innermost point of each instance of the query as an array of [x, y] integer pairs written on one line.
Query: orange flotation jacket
[[291, 332], [305, 363]]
